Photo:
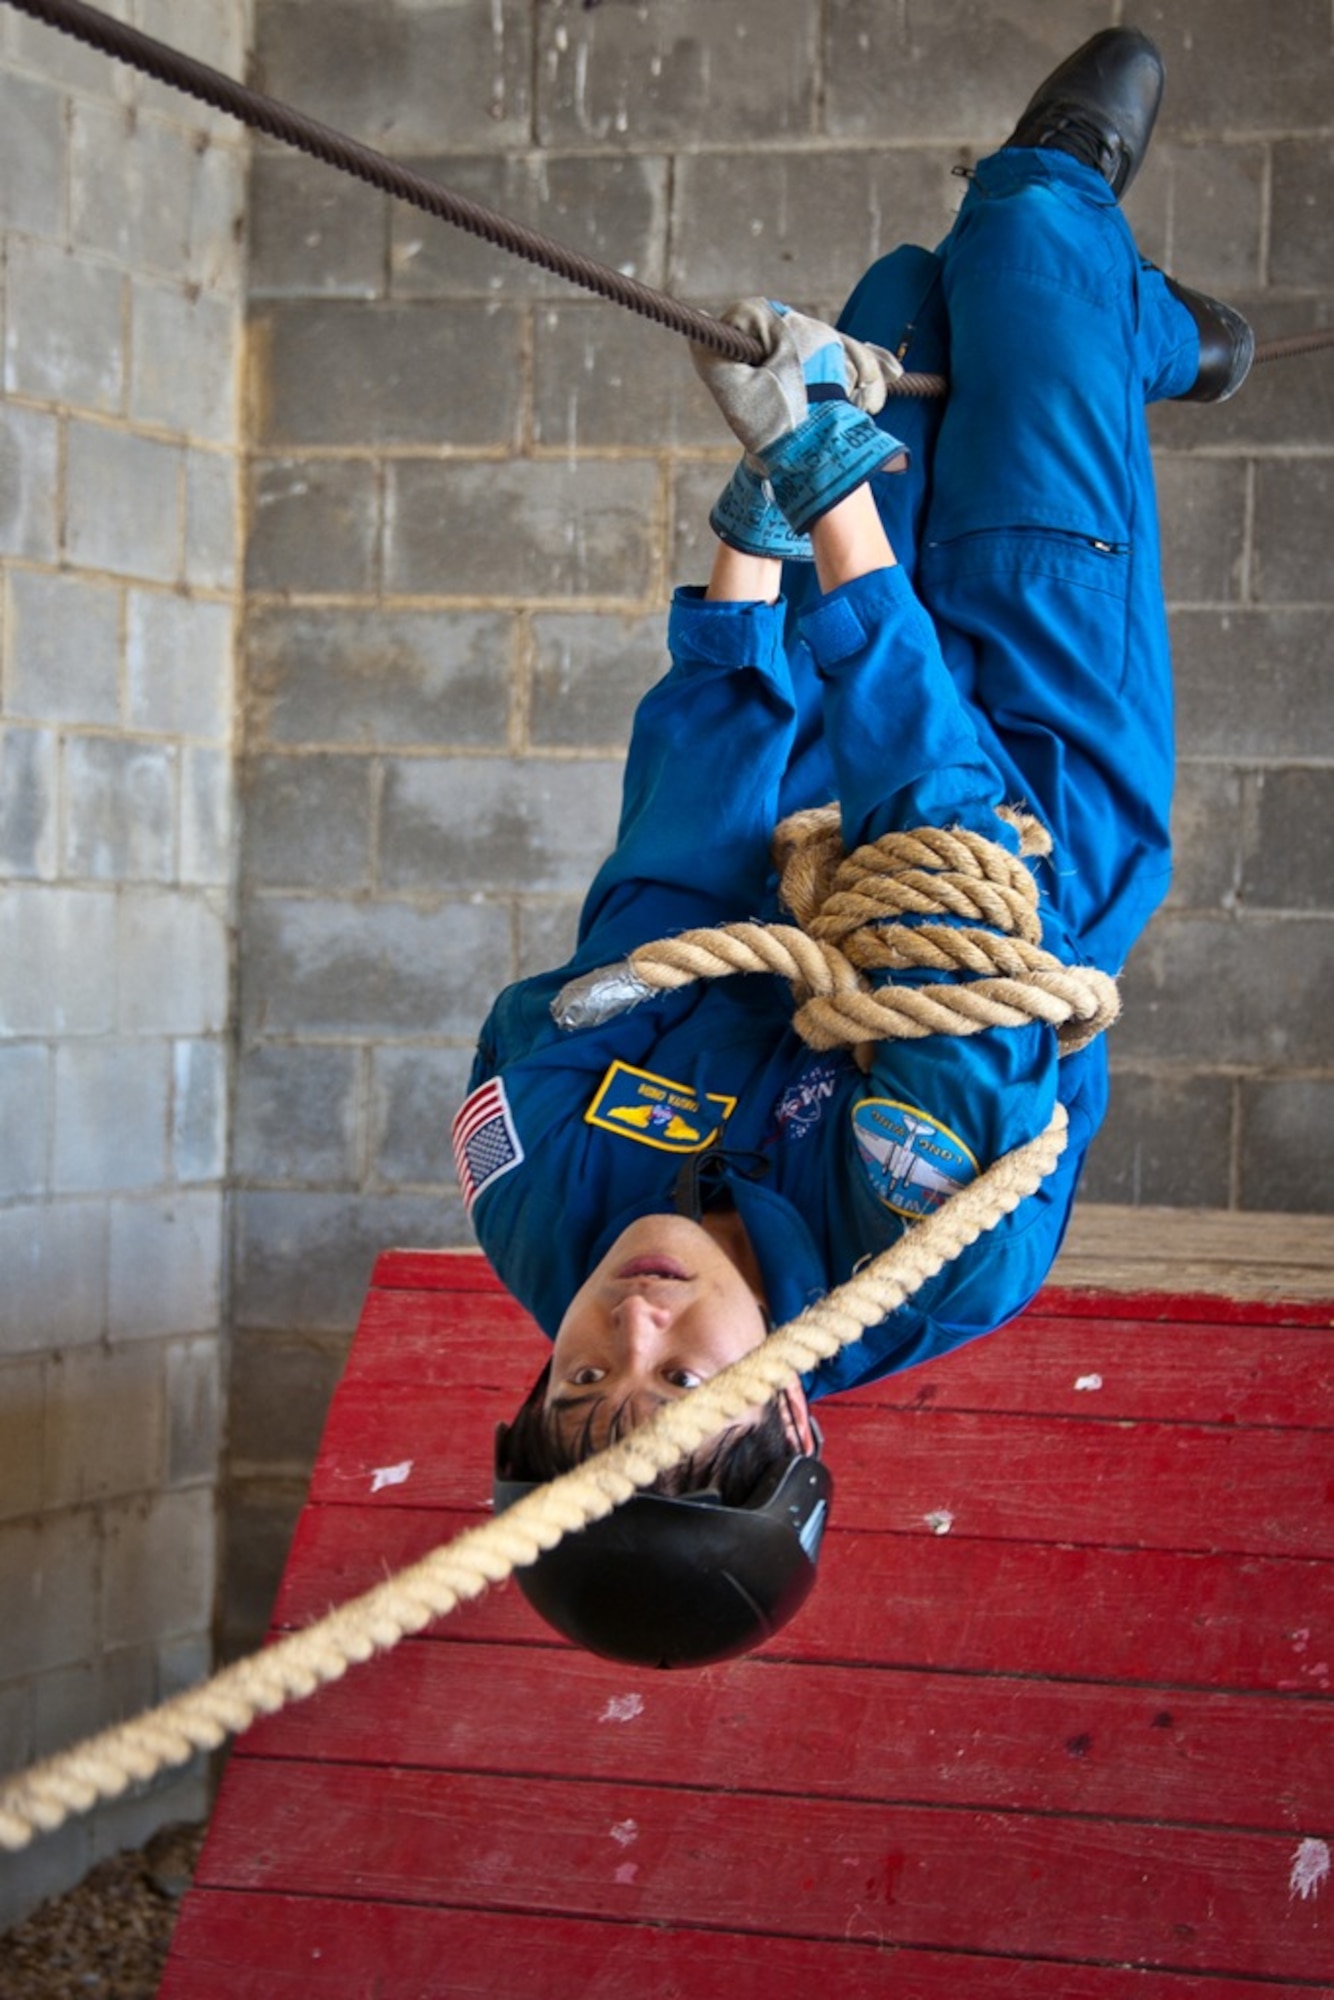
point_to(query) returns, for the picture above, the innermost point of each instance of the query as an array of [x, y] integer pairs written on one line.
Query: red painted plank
[[992, 1883], [1157, 1618], [230, 1946], [1101, 1368], [1179, 1308], [434, 1271], [945, 1739]]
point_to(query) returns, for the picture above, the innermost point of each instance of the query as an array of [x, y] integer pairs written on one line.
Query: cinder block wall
[[120, 213], [471, 490]]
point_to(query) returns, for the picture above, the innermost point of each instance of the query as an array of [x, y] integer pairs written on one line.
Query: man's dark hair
[[536, 1447]]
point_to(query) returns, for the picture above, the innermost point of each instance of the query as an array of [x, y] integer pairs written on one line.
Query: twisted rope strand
[[44, 1797]]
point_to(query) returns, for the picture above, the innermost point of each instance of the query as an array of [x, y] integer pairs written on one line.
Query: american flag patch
[[486, 1144]]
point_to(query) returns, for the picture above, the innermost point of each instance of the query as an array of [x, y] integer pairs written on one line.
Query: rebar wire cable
[[281, 121]]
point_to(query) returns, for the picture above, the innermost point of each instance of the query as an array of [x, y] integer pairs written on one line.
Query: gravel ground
[[106, 1939]]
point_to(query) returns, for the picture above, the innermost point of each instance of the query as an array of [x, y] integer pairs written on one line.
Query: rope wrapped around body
[[852, 912], [842, 904]]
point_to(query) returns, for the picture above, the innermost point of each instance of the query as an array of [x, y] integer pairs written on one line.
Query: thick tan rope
[[106, 1765], [844, 905]]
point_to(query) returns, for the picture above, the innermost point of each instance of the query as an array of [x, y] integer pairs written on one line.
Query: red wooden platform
[[1056, 1724]]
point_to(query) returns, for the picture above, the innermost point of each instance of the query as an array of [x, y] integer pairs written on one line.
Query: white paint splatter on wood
[[1310, 1869], [391, 1475], [940, 1520], [1088, 1382], [625, 1832], [623, 1708]]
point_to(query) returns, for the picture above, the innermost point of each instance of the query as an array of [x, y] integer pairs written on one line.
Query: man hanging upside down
[[977, 623]]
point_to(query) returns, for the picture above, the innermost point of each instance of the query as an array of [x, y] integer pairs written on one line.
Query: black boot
[[1099, 106], [1227, 346]]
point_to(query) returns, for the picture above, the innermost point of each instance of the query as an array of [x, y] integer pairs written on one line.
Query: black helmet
[[682, 1582]]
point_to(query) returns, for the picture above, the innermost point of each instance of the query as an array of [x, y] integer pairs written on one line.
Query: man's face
[[664, 1310]]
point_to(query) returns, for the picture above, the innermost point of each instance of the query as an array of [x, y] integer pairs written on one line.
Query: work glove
[[803, 414], [747, 517]]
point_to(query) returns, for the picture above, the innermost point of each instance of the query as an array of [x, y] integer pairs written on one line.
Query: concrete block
[[493, 823], [28, 794], [176, 1797], [414, 1095], [190, 935], [1218, 216], [1293, 497], [1167, 1142], [165, 1265], [761, 222], [53, 1262], [384, 970], [1287, 855], [314, 525], [159, 1564], [280, 1395], [374, 678], [612, 210], [124, 503], [589, 670], [28, 440], [31, 156], [547, 934], [403, 74], [183, 367], [1234, 67], [691, 543], [554, 529], [1202, 506], [960, 71], [1301, 170], [1206, 837], [193, 1414], [203, 28], [258, 1525], [63, 646], [63, 329], [679, 71], [16, 1739], [593, 384], [25, 1120], [110, 1115], [334, 372], [46, 1869], [75, 1702], [1287, 1163], [105, 1418], [206, 817], [303, 1261], [62, 60], [315, 234], [1253, 683], [120, 809], [297, 1114], [55, 947], [199, 1112], [130, 180], [212, 526], [307, 822], [48, 1593], [215, 256], [180, 666], [22, 1407], [1248, 992], [183, 1663]]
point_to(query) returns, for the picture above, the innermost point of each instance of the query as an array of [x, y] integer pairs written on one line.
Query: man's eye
[[581, 1378], [683, 1378]]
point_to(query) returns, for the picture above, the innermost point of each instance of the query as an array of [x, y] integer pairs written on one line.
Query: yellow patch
[[654, 1111]]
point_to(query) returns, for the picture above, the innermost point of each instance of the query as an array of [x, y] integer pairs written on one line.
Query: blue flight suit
[[1017, 655]]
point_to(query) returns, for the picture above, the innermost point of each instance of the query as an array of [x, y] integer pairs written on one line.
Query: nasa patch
[[913, 1162], [635, 1104]]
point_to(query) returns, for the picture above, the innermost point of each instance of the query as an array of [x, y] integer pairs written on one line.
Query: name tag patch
[[654, 1111], [913, 1162]]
